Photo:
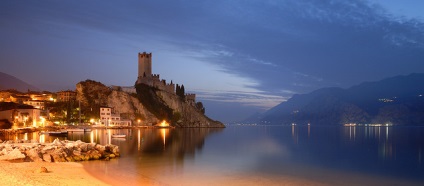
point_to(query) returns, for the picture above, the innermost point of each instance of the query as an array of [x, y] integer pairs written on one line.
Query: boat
[[75, 130], [56, 133], [118, 136], [87, 130]]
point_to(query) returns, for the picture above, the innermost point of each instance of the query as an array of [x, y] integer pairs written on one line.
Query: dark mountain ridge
[[10, 82], [398, 100]]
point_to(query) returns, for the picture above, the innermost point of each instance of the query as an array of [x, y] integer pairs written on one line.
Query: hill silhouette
[[10, 82], [398, 100]]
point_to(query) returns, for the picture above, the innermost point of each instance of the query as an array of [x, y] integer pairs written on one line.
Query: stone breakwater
[[57, 151]]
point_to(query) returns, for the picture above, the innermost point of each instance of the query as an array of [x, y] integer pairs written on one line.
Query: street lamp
[[42, 120], [15, 122], [25, 120], [138, 122]]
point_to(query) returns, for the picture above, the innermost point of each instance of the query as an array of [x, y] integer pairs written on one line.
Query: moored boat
[[55, 133], [118, 136], [75, 130]]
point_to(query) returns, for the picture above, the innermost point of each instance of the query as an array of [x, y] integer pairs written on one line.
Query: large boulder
[[84, 147], [33, 155], [58, 155], [14, 155], [47, 158]]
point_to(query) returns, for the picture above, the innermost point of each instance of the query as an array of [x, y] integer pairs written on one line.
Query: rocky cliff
[[150, 105], [171, 107], [94, 94]]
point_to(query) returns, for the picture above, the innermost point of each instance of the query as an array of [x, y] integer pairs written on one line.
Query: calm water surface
[[259, 155]]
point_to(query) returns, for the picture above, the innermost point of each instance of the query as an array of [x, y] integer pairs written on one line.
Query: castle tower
[[144, 64]]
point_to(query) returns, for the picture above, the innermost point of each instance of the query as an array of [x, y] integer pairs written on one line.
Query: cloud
[[257, 99], [305, 45]]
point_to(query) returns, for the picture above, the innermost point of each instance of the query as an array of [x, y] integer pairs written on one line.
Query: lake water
[[260, 155]]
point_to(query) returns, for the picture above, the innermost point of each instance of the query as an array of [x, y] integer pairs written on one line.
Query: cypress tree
[[182, 91], [178, 90]]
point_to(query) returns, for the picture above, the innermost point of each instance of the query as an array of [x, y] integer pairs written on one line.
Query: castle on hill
[[146, 77]]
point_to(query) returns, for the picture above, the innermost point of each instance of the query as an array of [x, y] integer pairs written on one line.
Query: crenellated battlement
[[190, 96], [145, 55]]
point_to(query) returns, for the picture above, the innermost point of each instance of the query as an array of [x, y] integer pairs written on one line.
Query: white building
[[109, 119]]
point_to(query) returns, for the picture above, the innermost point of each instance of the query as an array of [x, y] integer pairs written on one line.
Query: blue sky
[[240, 56]]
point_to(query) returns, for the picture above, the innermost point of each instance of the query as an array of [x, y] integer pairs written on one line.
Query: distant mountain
[[397, 100], [10, 82]]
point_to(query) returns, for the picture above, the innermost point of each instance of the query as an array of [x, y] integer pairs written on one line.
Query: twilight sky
[[239, 56]]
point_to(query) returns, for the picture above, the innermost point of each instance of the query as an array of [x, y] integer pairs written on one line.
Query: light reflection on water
[[382, 135], [261, 155], [100, 136]]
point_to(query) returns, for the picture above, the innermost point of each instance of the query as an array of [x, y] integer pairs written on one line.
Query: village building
[[19, 98], [66, 96], [110, 119], [36, 104], [43, 96], [21, 115]]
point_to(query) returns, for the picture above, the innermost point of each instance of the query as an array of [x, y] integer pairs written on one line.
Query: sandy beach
[[70, 173], [28, 173], [62, 174]]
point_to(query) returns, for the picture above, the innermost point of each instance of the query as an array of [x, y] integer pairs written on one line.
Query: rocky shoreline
[[57, 151]]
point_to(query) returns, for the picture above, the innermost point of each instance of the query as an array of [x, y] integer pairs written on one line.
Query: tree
[[182, 91], [178, 90], [200, 107], [176, 116]]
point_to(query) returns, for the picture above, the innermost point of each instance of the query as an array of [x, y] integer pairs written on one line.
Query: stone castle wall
[[144, 64]]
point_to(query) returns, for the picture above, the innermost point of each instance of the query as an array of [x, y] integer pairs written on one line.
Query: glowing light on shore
[[164, 124]]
